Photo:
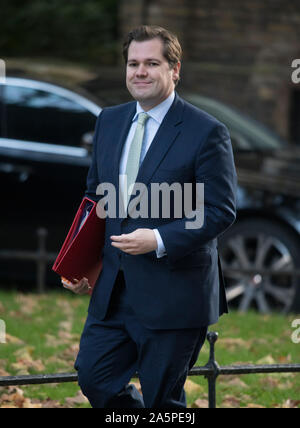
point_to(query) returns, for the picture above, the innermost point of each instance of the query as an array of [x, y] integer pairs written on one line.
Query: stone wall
[[237, 52]]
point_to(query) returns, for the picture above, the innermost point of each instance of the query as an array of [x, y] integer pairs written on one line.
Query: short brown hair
[[172, 50]]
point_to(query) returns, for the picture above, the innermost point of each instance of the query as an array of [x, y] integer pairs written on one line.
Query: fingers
[[125, 242], [140, 241], [78, 287], [124, 239]]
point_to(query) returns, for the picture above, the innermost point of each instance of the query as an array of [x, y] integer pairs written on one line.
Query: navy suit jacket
[[185, 288]]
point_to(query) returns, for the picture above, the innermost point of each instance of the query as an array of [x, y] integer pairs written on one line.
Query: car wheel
[[261, 247]]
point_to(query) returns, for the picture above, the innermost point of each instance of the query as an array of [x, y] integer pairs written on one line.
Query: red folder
[[81, 253]]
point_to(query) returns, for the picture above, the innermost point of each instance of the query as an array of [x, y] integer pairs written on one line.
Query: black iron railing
[[41, 257], [211, 371]]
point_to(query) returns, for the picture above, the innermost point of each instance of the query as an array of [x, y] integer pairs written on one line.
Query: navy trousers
[[113, 350]]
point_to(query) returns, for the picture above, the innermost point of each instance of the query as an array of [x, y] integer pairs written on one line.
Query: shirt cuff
[[161, 250]]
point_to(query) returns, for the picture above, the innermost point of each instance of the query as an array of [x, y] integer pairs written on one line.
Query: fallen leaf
[[237, 382], [24, 353], [285, 359], [28, 404], [66, 337], [28, 303], [65, 326], [200, 404], [51, 404], [71, 352], [13, 340], [291, 404], [254, 406], [20, 369], [268, 359], [2, 363], [58, 362], [78, 399], [65, 307], [231, 344], [8, 406], [14, 397], [286, 385], [51, 341], [192, 387], [269, 381], [231, 401], [25, 361]]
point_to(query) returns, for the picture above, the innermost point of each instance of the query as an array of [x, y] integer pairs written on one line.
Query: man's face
[[149, 78]]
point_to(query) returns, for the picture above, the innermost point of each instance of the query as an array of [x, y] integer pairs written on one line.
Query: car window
[[240, 142], [247, 133], [37, 115]]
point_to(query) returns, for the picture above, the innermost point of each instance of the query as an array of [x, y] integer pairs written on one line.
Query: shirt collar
[[157, 113]]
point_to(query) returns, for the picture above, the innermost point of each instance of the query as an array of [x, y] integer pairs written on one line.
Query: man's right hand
[[79, 287]]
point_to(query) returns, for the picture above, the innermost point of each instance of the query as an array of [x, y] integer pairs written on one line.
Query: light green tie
[[134, 154]]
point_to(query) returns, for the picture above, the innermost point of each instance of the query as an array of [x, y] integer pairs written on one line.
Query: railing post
[[212, 337]]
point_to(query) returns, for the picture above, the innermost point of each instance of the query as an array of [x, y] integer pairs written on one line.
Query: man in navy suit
[[161, 285]]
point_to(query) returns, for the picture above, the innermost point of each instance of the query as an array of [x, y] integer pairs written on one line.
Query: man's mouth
[[142, 83]]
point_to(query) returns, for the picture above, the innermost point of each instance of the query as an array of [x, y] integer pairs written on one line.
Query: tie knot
[[143, 117]]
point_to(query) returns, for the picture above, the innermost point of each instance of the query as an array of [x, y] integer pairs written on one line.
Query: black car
[[43, 167], [265, 240]]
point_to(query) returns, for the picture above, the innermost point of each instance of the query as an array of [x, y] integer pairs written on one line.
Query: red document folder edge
[[81, 253]]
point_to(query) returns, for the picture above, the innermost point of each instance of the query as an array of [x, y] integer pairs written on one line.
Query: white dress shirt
[[157, 115]]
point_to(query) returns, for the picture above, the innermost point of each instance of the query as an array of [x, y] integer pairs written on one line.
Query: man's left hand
[[141, 241]]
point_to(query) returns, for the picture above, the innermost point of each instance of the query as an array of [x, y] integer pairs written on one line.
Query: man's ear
[[176, 72]]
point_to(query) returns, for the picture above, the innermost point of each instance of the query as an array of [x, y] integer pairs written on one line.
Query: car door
[[43, 166]]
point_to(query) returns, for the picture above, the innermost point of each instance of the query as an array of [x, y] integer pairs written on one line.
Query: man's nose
[[141, 70]]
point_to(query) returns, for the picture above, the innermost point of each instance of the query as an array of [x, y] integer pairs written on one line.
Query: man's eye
[[132, 65], [153, 64]]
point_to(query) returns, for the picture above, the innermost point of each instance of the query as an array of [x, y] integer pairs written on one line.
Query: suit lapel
[[125, 124]]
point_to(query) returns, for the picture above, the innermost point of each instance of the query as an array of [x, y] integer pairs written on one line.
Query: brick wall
[[237, 52]]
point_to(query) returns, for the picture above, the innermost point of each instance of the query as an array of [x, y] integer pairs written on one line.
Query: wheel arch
[[287, 222]]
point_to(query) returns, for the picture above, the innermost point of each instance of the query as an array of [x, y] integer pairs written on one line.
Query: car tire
[[262, 247]]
